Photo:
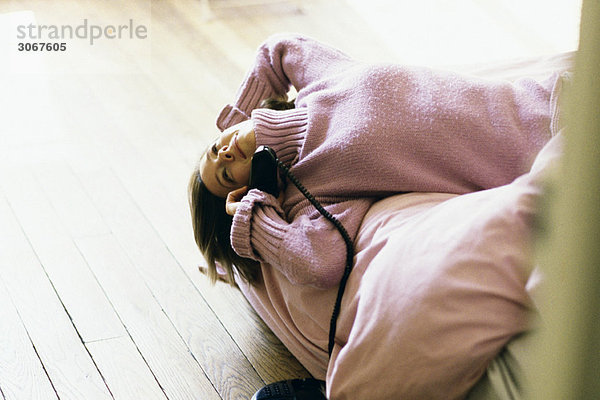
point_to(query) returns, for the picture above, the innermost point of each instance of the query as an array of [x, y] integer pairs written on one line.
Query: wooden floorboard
[[57, 343], [21, 372], [125, 370], [100, 293], [151, 328]]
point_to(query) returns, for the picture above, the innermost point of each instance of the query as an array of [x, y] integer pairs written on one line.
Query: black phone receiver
[[264, 171]]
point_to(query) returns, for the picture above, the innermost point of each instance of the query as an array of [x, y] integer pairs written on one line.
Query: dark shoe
[[293, 389]]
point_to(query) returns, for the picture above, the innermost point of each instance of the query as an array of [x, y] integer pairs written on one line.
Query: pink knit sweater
[[362, 131]]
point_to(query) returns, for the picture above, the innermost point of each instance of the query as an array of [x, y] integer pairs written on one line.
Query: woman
[[358, 132]]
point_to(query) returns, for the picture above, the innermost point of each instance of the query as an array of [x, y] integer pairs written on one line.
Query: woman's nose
[[226, 154]]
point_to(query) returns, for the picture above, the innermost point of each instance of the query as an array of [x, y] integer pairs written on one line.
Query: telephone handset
[[263, 174]]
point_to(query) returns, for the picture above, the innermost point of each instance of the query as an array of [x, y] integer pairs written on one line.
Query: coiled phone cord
[[349, 249]]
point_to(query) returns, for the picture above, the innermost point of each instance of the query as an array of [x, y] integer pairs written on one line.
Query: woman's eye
[[227, 177]]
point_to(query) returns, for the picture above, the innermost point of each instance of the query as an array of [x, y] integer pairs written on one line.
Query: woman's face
[[226, 164]]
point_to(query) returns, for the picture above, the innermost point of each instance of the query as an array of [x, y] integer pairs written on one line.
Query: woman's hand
[[233, 200], [235, 197]]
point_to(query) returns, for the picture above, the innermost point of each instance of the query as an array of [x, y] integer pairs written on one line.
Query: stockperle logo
[[90, 32]]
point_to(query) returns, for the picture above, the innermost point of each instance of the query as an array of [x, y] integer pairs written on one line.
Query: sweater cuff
[[229, 116], [250, 95], [283, 131], [245, 224]]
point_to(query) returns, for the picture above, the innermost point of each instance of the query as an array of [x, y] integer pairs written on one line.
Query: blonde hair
[[211, 226]]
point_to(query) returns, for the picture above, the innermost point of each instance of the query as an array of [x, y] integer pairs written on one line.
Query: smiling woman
[[225, 166], [224, 169], [358, 132]]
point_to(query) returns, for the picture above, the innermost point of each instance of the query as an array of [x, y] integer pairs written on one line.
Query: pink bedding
[[440, 285], [444, 291]]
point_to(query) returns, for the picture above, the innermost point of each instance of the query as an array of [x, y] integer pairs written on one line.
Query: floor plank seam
[[210, 307], [175, 328], [53, 288], [187, 345], [122, 323], [103, 339], [38, 356], [29, 338], [74, 327]]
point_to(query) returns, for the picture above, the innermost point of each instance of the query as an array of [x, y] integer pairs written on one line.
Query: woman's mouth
[[237, 146]]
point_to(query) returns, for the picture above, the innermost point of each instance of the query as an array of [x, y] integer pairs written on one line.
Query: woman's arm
[[308, 251], [282, 61]]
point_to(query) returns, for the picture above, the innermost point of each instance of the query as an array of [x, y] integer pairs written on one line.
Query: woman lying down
[[354, 134]]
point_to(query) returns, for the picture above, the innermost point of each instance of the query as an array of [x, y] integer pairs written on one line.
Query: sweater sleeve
[[282, 60], [308, 250]]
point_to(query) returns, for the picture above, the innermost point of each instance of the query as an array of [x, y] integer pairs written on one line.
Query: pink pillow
[[444, 291]]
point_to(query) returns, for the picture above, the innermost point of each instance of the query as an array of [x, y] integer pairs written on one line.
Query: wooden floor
[[100, 295]]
